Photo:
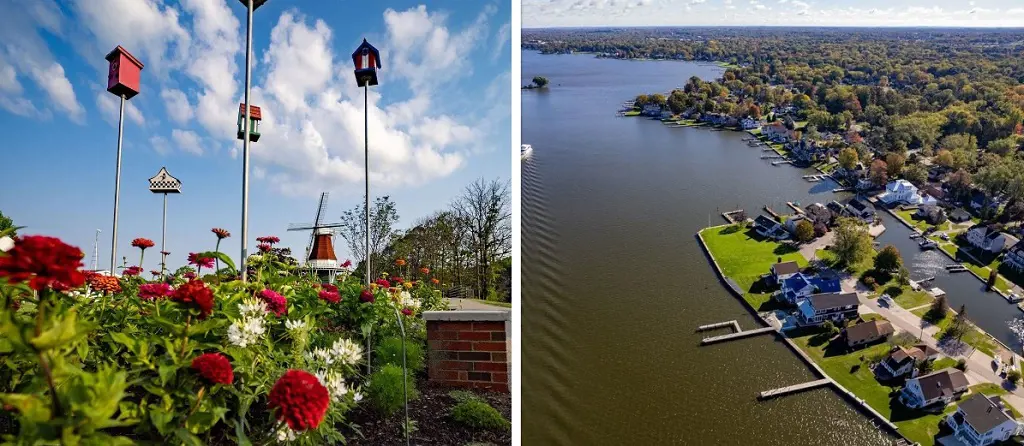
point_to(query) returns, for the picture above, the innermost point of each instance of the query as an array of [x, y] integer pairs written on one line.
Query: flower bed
[[202, 359]]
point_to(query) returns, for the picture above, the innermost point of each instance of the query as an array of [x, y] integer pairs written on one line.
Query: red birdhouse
[[367, 60], [125, 71], [254, 122]]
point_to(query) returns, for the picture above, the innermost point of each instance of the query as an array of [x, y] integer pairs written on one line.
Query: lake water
[[614, 282]]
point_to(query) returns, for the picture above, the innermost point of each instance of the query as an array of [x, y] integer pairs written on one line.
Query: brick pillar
[[469, 348]]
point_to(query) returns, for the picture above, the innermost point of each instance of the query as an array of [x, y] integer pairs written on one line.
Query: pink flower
[[347, 264], [276, 303], [153, 291], [407, 311], [264, 247], [270, 240], [330, 296], [200, 262], [190, 275], [132, 270]]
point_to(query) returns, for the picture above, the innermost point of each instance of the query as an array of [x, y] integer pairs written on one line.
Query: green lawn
[[908, 216], [744, 257], [981, 270], [851, 370], [974, 338], [912, 299], [632, 113], [944, 363]]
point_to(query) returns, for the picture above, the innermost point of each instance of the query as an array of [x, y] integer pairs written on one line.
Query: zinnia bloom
[[155, 273], [270, 240], [189, 275], [264, 247], [105, 284], [367, 296], [215, 367], [408, 285], [195, 293], [397, 279], [347, 264], [132, 271], [407, 311], [153, 291], [299, 399], [435, 281], [166, 253], [221, 233], [143, 243], [330, 296], [44, 262], [329, 287], [425, 270], [383, 283], [200, 262], [400, 262], [276, 303]]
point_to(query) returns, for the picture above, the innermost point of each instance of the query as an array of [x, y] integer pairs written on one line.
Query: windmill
[[320, 258]]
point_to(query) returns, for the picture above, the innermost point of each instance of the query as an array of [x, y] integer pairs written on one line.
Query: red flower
[[400, 262], [435, 281], [329, 287], [407, 311], [397, 279], [347, 264], [44, 262], [383, 283], [367, 296], [215, 367], [199, 261], [153, 291], [195, 293], [299, 399], [270, 240], [425, 270], [155, 272], [264, 247], [105, 284], [221, 233], [330, 296], [190, 275], [143, 243], [276, 303], [132, 270]]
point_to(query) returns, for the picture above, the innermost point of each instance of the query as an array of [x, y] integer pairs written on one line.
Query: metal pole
[[366, 139], [96, 251], [245, 144], [163, 238], [405, 378], [117, 188]]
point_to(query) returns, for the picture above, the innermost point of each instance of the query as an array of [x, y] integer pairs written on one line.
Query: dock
[[795, 207], [733, 324], [781, 391], [842, 189], [779, 163], [772, 157], [737, 335], [957, 268], [730, 216], [774, 214]]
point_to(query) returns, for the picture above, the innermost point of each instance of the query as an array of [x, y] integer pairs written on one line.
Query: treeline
[[466, 247]]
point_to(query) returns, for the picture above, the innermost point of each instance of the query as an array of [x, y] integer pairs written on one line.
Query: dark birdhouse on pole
[[255, 3], [254, 122], [367, 61], [125, 71]]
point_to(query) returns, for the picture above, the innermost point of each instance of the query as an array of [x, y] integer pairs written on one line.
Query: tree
[[383, 217], [939, 308], [889, 260], [804, 231], [916, 173], [1004, 146], [993, 277], [1013, 376], [848, 158], [894, 163], [944, 158], [540, 81], [6, 224], [485, 207], [879, 173], [960, 325], [925, 367], [852, 241]]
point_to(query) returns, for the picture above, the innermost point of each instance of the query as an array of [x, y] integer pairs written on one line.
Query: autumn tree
[[848, 158], [804, 231], [852, 242], [944, 158], [894, 164], [888, 260], [916, 173], [879, 173]]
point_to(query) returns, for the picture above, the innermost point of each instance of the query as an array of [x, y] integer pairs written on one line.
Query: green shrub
[[389, 351], [1013, 376], [961, 364], [385, 389], [476, 413]]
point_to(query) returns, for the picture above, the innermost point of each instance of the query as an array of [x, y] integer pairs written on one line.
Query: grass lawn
[[851, 370], [974, 338], [1002, 284], [632, 113], [945, 363], [830, 259], [744, 256], [912, 299]]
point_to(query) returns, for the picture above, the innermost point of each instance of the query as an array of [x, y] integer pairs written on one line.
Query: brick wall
[[469, 348]]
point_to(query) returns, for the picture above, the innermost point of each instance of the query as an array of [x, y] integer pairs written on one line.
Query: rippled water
[[614, 283]]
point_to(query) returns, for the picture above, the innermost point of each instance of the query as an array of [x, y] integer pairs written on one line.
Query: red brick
[[499, 377], [463, 375], [489, 346], [490, 366], [449, 345], [443, 375], [475, 356], [455, 365], [479, 376], [474, 336], [499, 357], [442, 335], [451, 326], [489, 326], [497, 335]]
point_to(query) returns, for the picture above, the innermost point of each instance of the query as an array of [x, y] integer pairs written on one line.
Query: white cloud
[[178, 107], [51, 79], [109, 107], [188, 141], [160, 144], [502, 38], [146, 28], [218, 41], [697, 2]]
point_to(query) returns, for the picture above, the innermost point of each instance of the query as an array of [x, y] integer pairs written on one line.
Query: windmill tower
[[320, 258]]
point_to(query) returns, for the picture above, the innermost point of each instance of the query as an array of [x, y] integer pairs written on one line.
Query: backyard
[[973, 337], [744, 256]]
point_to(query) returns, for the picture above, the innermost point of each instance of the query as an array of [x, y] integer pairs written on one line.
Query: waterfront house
[[818, 213], [776, 131], [903, 361], [902, 191], [932, 214], [980, 198], [934, 190], [791, 223], [837, 209], [865, 184], [749, 123], [860, 209], [1014, 257], [959, 215], [939, 387], [987, 238], [982, 420], [783, 271], [666, 113], [769, 228], [800, 286], [938, 173], [869, 332], [651, 110], [818, 308]]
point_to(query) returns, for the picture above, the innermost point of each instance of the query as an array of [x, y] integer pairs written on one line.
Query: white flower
[[6, 244], [357, 397], [346, 351], [246, 331], [334, 383], [285, 434], [408, 301], [298, 325], [323, 355], [252, 307]]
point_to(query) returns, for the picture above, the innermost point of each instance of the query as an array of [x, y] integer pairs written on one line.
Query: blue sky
[[971, 13], [439, 120]]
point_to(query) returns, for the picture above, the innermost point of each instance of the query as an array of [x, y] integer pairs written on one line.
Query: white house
[[901, 191], [769, 228], [903, 361], [981, 421], [818, 308], [776, 130], [986, 238], [1014, 258], [939, 387], [784, 270], [793, 221], [749, 123]]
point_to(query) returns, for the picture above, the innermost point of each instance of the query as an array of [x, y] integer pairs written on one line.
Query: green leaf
[[167, 372], [220, 256], [161, 419], [64, 332], [240, 437], [188, 438], [206, 326], [204, 420], [32, 407]]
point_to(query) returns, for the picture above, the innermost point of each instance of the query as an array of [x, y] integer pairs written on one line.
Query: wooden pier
[[779, 163], [774, 214], [781, 391], [795, 207], [737, 335], [733, 324], [772, 157], [728, 216]]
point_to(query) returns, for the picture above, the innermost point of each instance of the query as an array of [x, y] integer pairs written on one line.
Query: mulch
[[434, 426]]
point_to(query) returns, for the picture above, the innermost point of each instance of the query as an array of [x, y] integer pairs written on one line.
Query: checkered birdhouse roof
[[164, 183]]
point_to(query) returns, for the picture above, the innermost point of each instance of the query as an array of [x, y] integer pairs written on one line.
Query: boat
[[928, 244], [525, 150], [915, 235]]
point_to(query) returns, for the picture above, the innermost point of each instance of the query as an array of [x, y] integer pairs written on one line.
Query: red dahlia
[[221, 233], [143, 243], [299, 399], [329, 287], [330, 296], [276, 303], [367, 296], [199, 261], [383, 283], [44, 262], [215, 367], [195, 293], [270, 240], [153, 291]]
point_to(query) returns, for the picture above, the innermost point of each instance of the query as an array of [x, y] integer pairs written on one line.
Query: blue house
[[803, 285]]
